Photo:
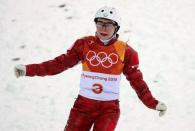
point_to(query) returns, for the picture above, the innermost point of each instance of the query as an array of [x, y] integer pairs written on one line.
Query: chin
[[104, 37]]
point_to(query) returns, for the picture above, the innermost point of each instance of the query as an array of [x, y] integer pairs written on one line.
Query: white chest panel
[[99, 86]]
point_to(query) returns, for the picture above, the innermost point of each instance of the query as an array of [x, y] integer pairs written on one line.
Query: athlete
[[103, 58]]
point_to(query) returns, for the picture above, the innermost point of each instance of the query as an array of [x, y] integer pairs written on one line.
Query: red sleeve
[[59, 64], [134, 76]]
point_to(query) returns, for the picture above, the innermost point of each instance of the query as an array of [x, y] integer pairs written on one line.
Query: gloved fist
[[20, 70], [162, 108]]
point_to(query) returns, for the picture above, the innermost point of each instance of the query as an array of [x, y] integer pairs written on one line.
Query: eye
[[102, 10], [111, 12]]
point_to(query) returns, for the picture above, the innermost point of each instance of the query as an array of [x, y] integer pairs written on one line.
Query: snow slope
[[32, 31]]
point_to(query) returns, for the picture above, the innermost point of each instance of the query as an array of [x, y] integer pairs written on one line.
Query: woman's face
[[105, 28]]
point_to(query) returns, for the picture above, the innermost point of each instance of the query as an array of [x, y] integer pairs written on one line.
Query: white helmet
[[108, 13]]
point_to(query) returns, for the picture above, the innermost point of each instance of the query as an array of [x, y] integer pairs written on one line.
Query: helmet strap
[[116, 29]]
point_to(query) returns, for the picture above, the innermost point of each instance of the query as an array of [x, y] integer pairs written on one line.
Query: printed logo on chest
[[103, 59]]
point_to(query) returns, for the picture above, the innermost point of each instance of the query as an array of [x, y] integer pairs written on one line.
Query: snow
[[32, 31]]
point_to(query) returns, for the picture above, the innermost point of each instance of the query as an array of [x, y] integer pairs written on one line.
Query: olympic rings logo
[[101, 58]]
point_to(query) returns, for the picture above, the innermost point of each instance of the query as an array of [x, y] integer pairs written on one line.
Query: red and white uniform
[[100, 78], [102, 67]]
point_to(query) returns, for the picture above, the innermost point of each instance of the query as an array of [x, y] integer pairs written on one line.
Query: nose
[[104, 27]]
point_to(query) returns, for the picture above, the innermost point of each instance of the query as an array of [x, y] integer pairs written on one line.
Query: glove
[[162, 108], [20, 70]]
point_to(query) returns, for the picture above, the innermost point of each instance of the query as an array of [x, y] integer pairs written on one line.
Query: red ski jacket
[[75, 54]]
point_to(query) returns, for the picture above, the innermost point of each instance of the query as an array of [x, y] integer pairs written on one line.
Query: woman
[[103, 58]]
